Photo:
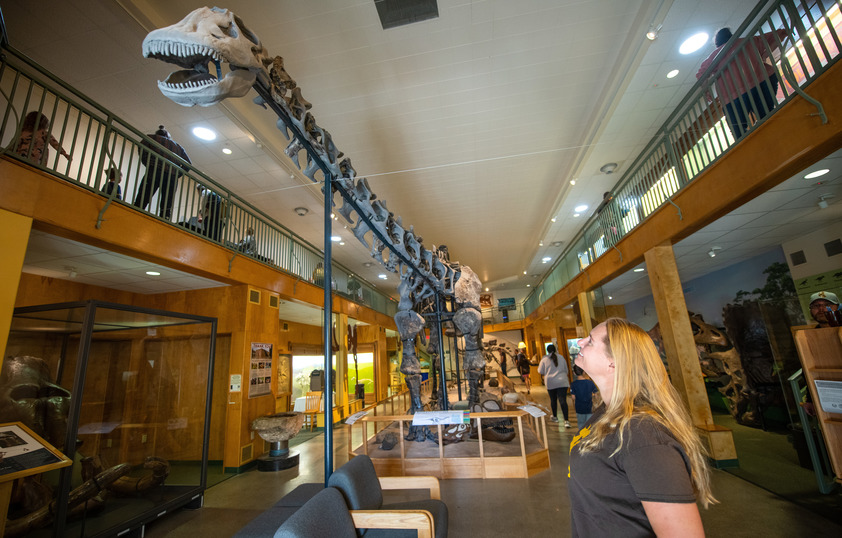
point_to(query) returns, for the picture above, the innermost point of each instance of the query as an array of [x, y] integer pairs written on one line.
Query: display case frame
[[95, 323]]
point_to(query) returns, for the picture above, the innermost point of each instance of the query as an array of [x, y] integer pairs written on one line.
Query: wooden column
[[14, 236], [342, 364], [682, 356], [585, 311]]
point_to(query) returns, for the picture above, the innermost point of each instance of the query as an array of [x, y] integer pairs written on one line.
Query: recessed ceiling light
[[572, 181], [580, 208], [673, 73], [153, 273], [552, 219], [204, 133], [382, 276], [693, 43], [367, 264], [486, 289], [227, 151], [524, 272], [529, 285], [575, 214], [335, 238], [638, 269], [817, 173], [545, 259], [610, 298], [342, 243], [540, 243]]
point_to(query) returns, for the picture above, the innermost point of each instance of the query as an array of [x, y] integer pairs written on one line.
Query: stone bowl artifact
[[277, 430]]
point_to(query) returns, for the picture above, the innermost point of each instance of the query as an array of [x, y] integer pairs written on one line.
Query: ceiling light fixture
[[673, 73], [524, 272], [367, 264], [335, 238], [608, 168], [153, 273], [572, 181], [817, 173], [227, 151], [552, 219], [382, 276], [822, 202], [712, 251], [71, 271], [540, 243], [529, 285], [557, 243], [693, 43], [301, 211], [580, 208], [639, 269], [545, 259], [575, 214], [204, 133], [610, 298], [486, 289]]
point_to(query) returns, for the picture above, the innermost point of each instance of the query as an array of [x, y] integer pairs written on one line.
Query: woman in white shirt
[[554, 369]]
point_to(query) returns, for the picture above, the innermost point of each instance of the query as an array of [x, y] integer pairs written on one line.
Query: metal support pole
[[328, 329], [442, 381], [456, 351]]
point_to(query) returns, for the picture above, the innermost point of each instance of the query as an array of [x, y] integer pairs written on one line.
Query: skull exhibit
[[207, 35]]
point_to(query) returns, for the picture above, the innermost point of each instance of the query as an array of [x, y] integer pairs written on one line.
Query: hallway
[[537, 506]]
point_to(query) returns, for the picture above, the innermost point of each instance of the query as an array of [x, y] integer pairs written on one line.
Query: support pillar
[[342, 364], [14, 236], [682, 356], [585, 309]]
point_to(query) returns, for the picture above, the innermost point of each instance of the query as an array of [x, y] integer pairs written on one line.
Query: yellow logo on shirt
[[584, 432]]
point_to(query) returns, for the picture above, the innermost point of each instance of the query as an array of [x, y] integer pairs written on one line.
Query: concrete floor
[[537, 506]]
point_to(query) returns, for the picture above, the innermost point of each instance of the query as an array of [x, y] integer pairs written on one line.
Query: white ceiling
[[470, 125]]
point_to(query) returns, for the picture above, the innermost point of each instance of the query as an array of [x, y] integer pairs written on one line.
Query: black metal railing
[[772, 56], [51, 126]]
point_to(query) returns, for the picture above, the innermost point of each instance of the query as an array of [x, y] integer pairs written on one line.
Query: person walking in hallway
[[555, 372], [638, 468]]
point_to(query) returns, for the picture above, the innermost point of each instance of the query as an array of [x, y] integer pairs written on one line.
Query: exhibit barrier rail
[[797, 39], [96, 142]]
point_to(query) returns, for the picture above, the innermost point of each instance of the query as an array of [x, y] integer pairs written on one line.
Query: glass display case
[[125, 393]]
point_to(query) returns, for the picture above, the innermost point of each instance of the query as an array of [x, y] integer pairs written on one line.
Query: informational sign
[[260, 372], [355, 417], [22, 452], [506, 301], [536, 412], [830, 395], [236, 383], [431, 418]]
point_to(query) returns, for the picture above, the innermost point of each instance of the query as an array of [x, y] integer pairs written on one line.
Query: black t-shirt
[[606, 492]]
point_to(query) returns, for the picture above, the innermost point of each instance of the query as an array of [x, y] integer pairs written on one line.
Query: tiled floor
[[537, 506]]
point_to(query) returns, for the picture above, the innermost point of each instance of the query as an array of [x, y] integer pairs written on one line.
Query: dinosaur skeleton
[[216, 35]]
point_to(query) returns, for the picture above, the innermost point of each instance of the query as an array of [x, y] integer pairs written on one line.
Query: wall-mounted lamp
[[608, 168], [712, 251]]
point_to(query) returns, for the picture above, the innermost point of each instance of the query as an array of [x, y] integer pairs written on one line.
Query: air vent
[[833, 247], [394, 13], [273, 301], [254, 296], [246, 453], [798, 257], [285, 327]]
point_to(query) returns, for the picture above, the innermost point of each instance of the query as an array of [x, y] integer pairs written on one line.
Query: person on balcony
[[161, 172], [115, 177], [34, 137], [747, 86]]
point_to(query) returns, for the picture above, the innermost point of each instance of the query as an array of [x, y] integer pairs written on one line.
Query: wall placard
[[260, 371]]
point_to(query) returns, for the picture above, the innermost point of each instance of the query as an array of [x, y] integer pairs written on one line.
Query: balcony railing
[[51, 126], [772, 56]]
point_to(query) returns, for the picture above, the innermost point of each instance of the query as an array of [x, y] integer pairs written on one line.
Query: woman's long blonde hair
[[642, 387]]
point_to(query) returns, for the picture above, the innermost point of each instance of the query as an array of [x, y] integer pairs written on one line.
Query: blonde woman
[[638, 468]]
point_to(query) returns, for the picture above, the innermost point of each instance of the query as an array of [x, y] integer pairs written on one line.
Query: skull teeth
[[181, 50]]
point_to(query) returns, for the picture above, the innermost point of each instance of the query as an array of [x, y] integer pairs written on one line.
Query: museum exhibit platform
[[524, 456]]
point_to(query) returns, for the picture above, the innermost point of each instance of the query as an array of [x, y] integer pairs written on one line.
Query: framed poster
[[486, 300], [260, 371], [24, 453], [284, 374]]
